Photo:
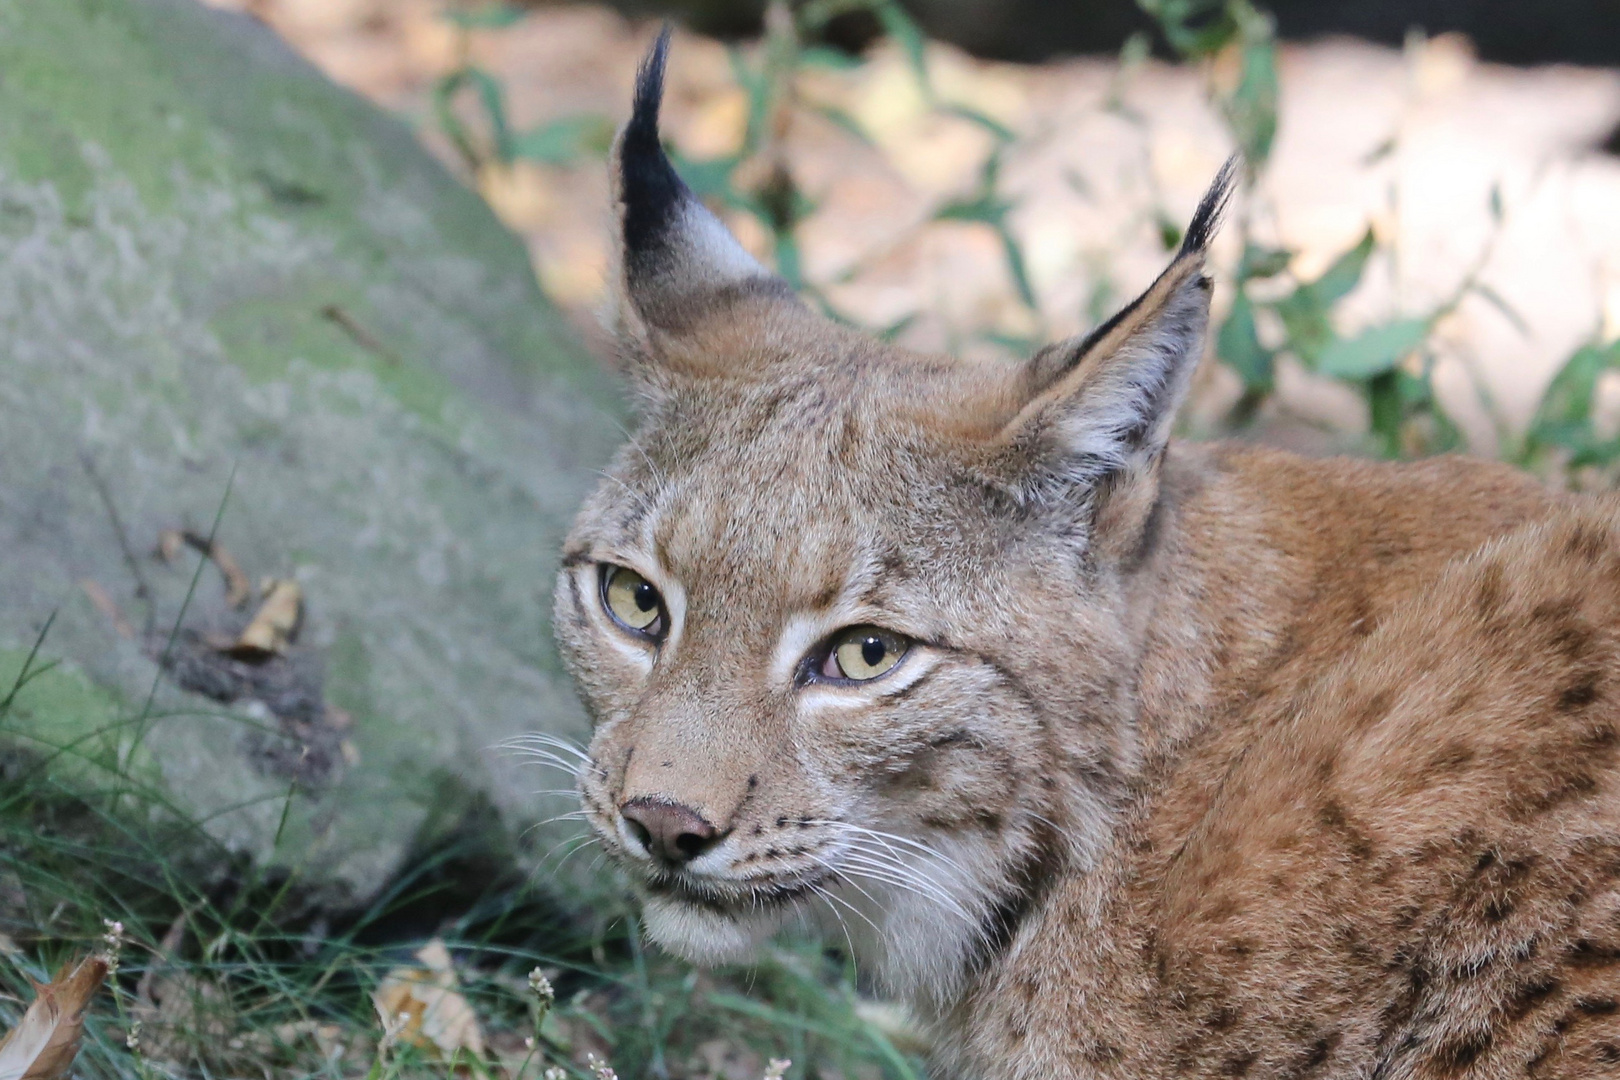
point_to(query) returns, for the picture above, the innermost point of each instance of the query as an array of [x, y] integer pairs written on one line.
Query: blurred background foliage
[[1389, 364], [234, 977]]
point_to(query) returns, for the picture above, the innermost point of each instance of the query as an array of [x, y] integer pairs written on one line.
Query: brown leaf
[[421, 1006], [44, 1043], [275, 622]]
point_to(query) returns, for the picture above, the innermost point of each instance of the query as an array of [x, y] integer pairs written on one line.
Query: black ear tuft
[[1207, 218], [677, 259], [651, 191]]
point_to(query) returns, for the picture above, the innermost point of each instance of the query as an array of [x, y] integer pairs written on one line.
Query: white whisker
[[572, 815], [550, 761], [852, 863], [545, 757], [570, 853], [822, 861], [832, 899], [542, 739], [842, 925], [893, 858], [885, 838]]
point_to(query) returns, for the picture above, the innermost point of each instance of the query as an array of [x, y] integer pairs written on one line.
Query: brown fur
[[1205, 760], [1393, 849]]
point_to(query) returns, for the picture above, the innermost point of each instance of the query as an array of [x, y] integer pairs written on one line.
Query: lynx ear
[[1100, 408], [676, 261]]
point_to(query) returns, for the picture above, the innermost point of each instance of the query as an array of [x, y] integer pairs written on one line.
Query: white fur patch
[[800, 633], [712, 249], [706, 937], [918, 661]]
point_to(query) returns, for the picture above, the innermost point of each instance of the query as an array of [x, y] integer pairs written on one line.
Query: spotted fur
[[1207, 760]]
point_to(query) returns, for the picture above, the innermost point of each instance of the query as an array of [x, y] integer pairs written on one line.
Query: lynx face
[[852, 621]]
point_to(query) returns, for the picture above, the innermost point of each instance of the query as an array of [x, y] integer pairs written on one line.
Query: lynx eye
[[861, 653], [633, 602]]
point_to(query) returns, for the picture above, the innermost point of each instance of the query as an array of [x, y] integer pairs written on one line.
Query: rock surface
[[238, 302]]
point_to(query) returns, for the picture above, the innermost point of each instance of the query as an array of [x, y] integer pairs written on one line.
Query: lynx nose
[[674, 833]]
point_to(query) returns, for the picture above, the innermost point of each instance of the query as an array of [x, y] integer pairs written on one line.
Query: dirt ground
[[1411, 142]]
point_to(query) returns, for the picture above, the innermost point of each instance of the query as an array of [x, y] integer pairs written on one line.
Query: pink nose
[[669, 831]]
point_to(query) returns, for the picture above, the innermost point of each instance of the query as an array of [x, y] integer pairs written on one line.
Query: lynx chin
[[1115, 756]]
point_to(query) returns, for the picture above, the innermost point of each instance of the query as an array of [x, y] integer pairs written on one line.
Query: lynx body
[[1115, 756]]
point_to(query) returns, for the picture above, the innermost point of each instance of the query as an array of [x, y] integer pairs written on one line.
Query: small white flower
[[554, 1073], [133, 1039], [540, 987], [777, 1068], [393, 1027], [114, 940], [600, 1068]]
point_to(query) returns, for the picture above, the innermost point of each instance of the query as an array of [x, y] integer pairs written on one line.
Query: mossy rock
[[240, 302]]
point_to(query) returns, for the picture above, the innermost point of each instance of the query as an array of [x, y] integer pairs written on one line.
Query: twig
[[108, 607], [358, 334], [238, 590], [142, 591]]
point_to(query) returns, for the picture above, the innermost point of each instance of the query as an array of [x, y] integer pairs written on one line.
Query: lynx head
[[850, 619]]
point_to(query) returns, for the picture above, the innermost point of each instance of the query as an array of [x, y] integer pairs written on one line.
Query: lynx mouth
[[712, 921], [732, 898]]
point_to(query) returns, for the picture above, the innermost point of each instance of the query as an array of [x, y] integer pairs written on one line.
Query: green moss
[[68, 726], [61, 57], [152, 93], [271, 337]]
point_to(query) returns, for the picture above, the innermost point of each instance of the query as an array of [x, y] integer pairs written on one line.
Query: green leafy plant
[[1389, 364], [566, 141], [1275, 313], [1562, 432]]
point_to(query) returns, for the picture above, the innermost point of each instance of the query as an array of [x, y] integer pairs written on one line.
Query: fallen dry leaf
[[421, 1006], [274, 623], [44, 1043]]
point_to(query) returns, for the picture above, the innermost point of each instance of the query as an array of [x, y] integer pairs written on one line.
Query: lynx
[[1113, 755]]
